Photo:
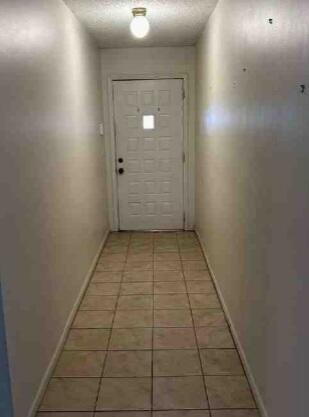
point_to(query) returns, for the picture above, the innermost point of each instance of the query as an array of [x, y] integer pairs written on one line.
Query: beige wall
[[252, 185], [51, 177], [150, 62]]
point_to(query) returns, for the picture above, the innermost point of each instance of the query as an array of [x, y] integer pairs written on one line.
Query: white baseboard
[[253, 384], [49, 371]]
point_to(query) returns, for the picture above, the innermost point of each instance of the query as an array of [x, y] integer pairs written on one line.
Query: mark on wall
[[5, 386]]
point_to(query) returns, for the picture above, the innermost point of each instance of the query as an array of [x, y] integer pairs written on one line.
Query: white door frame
[[188, 146]]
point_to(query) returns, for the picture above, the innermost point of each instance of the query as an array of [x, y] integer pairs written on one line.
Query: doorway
[[149, 152]]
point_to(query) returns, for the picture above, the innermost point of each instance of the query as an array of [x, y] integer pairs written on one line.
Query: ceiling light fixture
[[139, 25]]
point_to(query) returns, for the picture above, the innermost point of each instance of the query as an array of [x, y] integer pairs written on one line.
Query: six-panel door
[[149, 153]]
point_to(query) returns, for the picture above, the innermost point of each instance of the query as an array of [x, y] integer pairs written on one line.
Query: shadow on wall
[[5, 388]]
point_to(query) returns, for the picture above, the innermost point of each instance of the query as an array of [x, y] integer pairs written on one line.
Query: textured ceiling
[[172, 22]]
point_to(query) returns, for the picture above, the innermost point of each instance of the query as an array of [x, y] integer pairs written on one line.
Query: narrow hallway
[[150, 338], [154, 165]]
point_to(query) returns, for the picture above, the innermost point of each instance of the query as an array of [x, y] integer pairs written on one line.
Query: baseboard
[[49, 371], [253, 384]]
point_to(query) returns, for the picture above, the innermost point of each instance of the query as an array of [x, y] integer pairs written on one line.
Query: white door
[[149, 153]]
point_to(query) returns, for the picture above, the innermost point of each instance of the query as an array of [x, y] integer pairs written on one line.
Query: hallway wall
[[252, 185], [52, 182]]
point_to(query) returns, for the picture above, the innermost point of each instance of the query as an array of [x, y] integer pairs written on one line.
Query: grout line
[[149, 411], [196, 341], [141, 376], [148, 349], [228, 326], [110, 329], [110, 336]]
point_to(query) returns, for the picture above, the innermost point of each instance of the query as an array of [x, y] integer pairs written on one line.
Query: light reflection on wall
[[22, 33]]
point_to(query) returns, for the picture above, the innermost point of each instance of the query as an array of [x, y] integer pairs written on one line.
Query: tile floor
[[150, 338]]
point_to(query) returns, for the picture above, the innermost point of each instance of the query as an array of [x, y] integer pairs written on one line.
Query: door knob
[[120, 171], [120, 160]]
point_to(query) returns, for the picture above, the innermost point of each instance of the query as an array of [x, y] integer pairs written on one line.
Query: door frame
[[110, 142]]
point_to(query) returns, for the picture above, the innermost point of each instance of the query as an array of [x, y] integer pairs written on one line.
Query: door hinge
[[184, 218], [183, 157]]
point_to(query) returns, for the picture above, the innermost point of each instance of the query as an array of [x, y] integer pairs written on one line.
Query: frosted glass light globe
[[139, 26]]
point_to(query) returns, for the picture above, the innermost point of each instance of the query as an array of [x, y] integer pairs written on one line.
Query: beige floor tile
[[98, 302], [133, 318], [69, 394], [135, 363], [167, 266], [235, 413], [149, 270], [170, 287], [125, 394], [123, 414], [133, 288], [119, 236], [200, 287], [93, 320], [208, 317], [107, 277], [188, 246], [106, 288], [166, 276], [204, 301], [176, 363], [141, 240], [131, 339], [169, 256], [111, 244], [117, 241], [165, 240], [166, 245], [214, 337], [179, 393], [229, 392], [140, 257], [112, 257], [188, 240], [115, 249], [221, 362], [173, 338], [172, 318], [197, 275], [195, 255], [135, 302], [194, 265], [87, 339], [182, 413], [110, 266], [165, 235], [139, 266], [140, 250], [64, 414], [171, 301], [142, 235], [141, 245], [166, 248], [138, 276], [80, 364]]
